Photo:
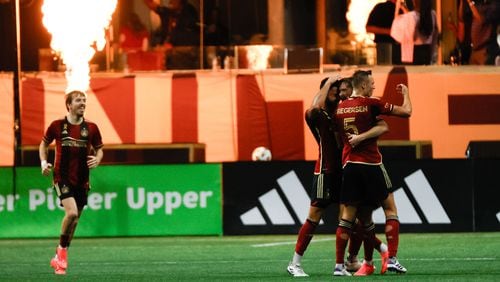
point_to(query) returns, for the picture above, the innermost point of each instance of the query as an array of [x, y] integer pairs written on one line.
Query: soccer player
[[366, 184], [328, 171], [78, 149], [390, 210]]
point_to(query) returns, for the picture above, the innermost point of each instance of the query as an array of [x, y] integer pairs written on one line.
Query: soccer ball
[[261, 154]]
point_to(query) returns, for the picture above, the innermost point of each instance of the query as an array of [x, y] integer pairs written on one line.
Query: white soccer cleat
[[352, 266], [296, 270], [341, 271], [394, 266]]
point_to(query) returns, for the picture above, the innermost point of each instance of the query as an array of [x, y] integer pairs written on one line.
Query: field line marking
[[164, 262], [286, 243]]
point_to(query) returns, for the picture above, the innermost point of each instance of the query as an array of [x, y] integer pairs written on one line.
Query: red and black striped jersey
[[321, 126], [73, 144], [357, 115]]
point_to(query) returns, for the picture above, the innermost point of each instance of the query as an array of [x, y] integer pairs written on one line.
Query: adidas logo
[[289, 184], [276, 209], [425, 198]]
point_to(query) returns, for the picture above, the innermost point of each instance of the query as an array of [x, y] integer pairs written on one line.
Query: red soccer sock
[[343, 232], [356, 239], [306, 233], [392, 235]]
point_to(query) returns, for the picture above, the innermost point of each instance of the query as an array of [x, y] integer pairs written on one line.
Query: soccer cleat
[[62, 257], [296, 270], [384, 257], [352, 266], [54, 263], [395, 266], [365, 270], [341, 271]]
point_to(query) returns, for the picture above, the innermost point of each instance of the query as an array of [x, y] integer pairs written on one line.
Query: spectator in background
[[216, 33], [461, 53], [379, 23], [133, 34], [485, 16], [417, 32], [179, 28], [216, 38], [497, 58], [133, 37]]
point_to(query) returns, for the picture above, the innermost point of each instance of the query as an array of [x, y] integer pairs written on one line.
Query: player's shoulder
[[58, 121], [374, 100], [91, 124], [363, 99]]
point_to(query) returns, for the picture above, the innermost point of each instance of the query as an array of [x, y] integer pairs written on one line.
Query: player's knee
[[72, 216]]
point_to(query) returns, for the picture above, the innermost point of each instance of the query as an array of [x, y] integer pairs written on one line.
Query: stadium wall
[[446, 195], [243, 198], [234, 111]]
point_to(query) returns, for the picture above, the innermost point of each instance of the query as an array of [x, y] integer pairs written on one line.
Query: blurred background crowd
[[200, 34]]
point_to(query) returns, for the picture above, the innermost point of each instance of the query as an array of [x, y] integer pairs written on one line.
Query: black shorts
[[325, 189], [365, 184], [64, 191]]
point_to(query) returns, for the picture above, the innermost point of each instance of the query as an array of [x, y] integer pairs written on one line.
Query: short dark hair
[[347, 80], [359, 77], [322, 83], [324, 80]]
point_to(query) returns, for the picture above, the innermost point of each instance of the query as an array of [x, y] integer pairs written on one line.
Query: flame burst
[[257, 56], [78, 30], [357, 15]]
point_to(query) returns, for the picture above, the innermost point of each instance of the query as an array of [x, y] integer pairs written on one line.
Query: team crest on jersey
[[84, 132], [65, 129], [65, 189]]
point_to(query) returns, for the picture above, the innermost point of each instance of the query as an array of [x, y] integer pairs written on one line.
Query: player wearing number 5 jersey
[[366, 184]]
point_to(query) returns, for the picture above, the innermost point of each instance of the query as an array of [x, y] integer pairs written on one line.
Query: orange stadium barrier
[[6, 120], [234, 111]]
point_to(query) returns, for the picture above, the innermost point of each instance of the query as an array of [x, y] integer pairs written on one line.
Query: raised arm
[[319, 99], [475, 12], [400, 7], [405, 109], [461, 24]]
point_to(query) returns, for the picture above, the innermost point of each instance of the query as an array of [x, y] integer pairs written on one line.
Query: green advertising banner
[[128, 200]]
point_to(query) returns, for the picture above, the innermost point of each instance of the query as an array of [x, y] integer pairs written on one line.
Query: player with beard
[[327, 177], [78, 149]]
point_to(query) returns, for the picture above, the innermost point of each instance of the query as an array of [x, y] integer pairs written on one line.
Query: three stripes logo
[[425, 198], [295, 194], [274, 207]]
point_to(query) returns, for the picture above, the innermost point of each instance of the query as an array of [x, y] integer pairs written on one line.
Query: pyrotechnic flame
[[78, 30], [357, 15], [257, 56]]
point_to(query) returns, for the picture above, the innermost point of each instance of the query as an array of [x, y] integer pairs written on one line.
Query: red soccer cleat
[[365, 270], [384, 256], [54, 263], [62, 257]]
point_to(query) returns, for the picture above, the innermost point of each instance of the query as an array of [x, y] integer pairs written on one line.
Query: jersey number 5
[[349, 126]]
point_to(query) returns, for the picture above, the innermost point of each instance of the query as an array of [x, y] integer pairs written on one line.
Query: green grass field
[[428, 257]]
